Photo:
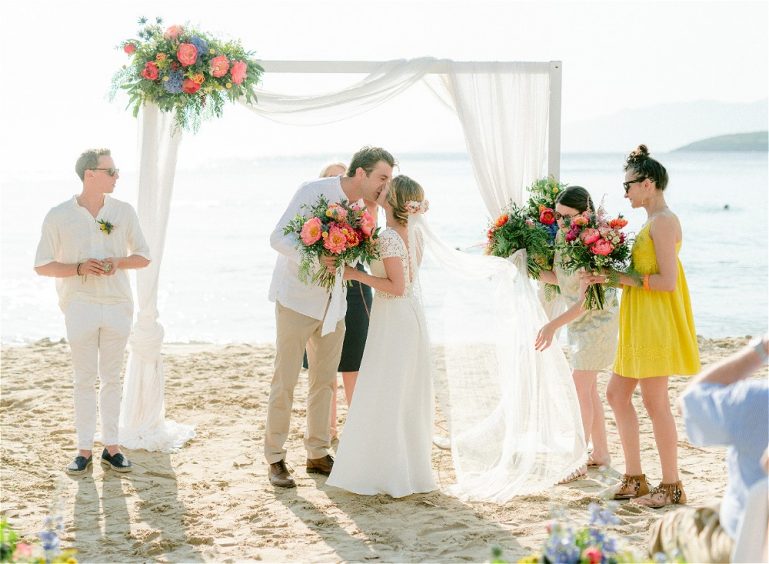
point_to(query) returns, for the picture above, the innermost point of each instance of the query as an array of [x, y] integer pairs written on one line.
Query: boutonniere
[[105, 226]]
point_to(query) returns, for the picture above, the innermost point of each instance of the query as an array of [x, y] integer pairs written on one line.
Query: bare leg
[[583, 382], [657, 402], [600, 453], [619, 394], [349, 379]]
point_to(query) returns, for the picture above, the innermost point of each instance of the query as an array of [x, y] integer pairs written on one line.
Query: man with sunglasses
[[87, 244]]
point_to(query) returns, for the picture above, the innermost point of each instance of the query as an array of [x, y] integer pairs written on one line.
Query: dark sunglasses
[[627, 184], [111, 171]]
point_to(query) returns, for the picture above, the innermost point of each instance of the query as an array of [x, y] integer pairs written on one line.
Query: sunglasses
[[627, 184], [111, 171]]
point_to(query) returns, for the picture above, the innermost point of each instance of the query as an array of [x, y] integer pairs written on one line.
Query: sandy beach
[[211, 501]]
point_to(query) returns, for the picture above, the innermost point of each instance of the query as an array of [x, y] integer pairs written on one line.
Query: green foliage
[[8, 540], [193, 92], [515, 230]]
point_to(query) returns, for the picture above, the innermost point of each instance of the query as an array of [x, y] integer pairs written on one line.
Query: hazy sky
[[58, 58]]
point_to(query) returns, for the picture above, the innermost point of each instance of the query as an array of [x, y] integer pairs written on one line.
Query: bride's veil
[[514, 417]]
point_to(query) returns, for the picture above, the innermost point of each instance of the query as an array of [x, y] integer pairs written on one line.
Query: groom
[[300, 310]]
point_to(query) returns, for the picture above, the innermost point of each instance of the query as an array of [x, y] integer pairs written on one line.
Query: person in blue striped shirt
[[722, 406]]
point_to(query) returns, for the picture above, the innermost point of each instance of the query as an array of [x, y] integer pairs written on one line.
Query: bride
[[386, 444], [514, 417]]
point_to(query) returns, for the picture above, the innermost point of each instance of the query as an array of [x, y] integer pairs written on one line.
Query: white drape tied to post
[[142, 414]]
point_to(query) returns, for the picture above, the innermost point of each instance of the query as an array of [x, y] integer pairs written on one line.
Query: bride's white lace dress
[[386, 443]]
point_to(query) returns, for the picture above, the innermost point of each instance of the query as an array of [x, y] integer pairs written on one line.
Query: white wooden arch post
[[511, 116]]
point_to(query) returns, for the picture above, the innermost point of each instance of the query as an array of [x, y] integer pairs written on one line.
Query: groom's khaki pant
[[295, 332]]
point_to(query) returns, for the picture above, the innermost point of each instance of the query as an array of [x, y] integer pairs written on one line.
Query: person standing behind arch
[[657, 337]]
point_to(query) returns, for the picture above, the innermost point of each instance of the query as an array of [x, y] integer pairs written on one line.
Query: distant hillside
[[662, 127], [755, 141]]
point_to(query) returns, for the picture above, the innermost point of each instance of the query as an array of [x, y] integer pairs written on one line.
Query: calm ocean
[[218, 262]]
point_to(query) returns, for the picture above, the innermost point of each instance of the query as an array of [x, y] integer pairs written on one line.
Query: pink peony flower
[[579, 220], [219, 66], [572, 234], [190, 86], [592, 554], [602, 247], [129, 48], [150, 71], [187, 54], [311, 231], [336, 242], [590, 236], [357, 206], [238, 72], [173, 32], [367, 223]]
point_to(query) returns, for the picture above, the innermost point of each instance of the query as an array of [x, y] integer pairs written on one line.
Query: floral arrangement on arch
[[185, 71], [343, 230]]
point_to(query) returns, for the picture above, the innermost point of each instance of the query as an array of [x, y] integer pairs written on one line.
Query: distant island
[[755, 141]]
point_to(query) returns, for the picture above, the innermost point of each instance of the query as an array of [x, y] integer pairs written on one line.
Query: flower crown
[[413, 206]]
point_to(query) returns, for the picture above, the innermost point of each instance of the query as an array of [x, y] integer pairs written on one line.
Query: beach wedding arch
[[510, 117]]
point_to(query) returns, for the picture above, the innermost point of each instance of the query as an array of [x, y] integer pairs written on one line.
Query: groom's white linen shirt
[[71, 234], [308, 299]]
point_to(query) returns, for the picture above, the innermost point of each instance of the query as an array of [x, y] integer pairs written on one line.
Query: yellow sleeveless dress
[[656, 329]]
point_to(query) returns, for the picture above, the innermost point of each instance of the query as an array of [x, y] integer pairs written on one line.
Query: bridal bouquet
[[185, 71], [593, 242], [342, 230], [515, 230]]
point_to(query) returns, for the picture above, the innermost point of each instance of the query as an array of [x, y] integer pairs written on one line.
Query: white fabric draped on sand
[[142, 413], [515, 420]]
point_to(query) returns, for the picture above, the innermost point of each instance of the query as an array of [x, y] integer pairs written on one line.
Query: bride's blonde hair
[[403, 190]]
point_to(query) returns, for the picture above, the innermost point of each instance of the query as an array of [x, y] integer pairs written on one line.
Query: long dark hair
[[575, 197], [644, 166]]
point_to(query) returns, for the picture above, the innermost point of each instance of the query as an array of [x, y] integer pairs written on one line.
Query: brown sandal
[[662, 495], [631, 487]]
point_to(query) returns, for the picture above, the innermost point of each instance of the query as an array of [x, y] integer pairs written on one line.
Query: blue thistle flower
[[49, 540], [200, 44], [174, 83]]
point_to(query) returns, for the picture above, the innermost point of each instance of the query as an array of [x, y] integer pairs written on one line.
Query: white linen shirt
[[71, 234], [286, 287]]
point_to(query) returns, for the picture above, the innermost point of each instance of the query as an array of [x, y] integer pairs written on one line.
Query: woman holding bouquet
[[592, 333], [387, 441], [656, 337]]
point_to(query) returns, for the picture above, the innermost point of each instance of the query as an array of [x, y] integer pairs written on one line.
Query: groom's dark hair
[[367, 158]]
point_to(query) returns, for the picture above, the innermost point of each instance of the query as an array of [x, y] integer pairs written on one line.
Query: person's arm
[[665, 232], [394, 283], [713, 405], [45, 257], [92, 267], [548, 277], [137, 249], [547, 333]]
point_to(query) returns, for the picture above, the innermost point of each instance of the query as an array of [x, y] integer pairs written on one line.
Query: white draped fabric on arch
[[510, 116]]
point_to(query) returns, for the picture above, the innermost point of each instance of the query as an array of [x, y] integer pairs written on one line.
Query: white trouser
[[97, 336]]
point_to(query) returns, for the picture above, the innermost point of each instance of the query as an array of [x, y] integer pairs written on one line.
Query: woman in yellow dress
[[657, 338]]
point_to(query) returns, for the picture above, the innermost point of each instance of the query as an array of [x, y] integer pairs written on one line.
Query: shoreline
[[211, 500]]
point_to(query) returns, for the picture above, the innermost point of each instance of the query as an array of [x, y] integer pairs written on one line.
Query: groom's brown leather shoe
[[320, 465], [280, 476]]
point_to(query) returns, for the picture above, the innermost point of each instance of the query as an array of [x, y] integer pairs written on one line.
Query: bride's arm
[[394, 283]]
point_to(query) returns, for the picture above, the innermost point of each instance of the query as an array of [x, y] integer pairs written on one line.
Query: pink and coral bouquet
[[593, 242], [339, 229]]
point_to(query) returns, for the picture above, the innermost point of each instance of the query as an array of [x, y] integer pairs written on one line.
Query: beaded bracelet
[[77, 270]]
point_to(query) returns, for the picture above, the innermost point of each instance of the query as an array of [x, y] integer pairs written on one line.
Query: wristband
[[760, 349], [78, 268], [646, 282]]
